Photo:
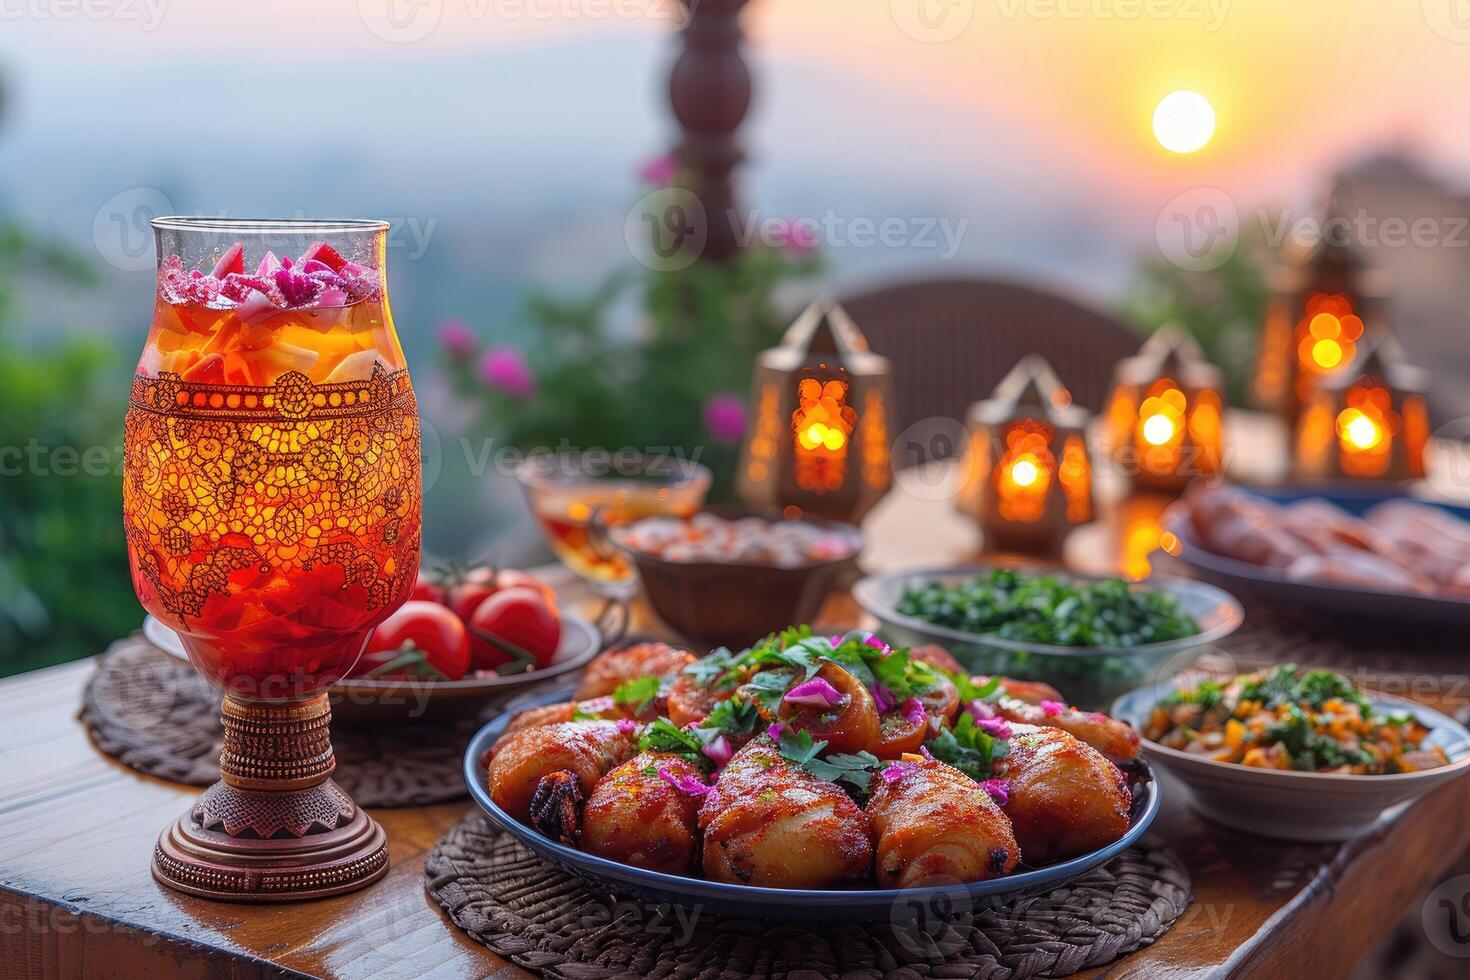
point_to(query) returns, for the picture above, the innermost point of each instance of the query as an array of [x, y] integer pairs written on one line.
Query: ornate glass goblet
[[271, 501]]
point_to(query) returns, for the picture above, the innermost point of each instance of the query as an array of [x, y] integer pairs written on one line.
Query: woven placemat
[[158, 716], [552, 923]]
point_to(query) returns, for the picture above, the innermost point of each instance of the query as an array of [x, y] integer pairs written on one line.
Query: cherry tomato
[[428, 628], [479, 584], [849, 726], [428, 589], [520, 616]]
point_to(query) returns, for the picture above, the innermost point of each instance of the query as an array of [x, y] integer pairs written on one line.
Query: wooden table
[[77, 832]]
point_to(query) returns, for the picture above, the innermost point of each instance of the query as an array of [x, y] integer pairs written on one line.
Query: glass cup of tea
[[575, 497]]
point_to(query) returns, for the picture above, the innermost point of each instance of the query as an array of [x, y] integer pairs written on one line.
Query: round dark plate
[[745, 901], [1330, 606]]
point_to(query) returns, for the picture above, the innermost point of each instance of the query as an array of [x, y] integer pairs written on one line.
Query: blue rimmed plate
[[745, 901]]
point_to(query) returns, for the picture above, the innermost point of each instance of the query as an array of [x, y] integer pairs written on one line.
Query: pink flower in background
[[456, 337], [794, 236], [660, 171], [505, 368], [724, 417]]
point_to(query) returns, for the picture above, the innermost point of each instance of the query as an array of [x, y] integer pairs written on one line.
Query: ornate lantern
[[1314, 324], [818, 442], [1164, 425], [1369, 421], [1029, 478]]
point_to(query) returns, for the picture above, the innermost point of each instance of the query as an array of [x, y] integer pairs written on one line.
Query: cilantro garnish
[[637, 694], [855, 770], [968, 748], [664, 736]]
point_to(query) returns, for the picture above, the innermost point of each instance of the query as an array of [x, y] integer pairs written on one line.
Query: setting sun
[[1184, 121]]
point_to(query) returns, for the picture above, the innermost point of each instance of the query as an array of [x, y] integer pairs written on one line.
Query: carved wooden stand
[[275, 828], [710, 90]]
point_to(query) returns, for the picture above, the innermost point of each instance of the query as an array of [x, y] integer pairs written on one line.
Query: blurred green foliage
[[64, 587], [699, 330], [1223, 308]]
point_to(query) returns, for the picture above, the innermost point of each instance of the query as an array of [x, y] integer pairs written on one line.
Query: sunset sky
[[1028, 118]]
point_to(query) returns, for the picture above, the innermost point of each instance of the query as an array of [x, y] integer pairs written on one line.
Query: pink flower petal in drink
[[724, 417], [913, 712], [310, 266], [999, 790], [659, 171], [883, 698], [835, 640], [627, 726], [719, 751], [775, 730], [505, 369], [892, 774], [268, 264], [325, 254], [233, 260], [296, 288], [994, 727], [456, 337], [816, 692], [878, 644], [1053, 707], [684, 784]]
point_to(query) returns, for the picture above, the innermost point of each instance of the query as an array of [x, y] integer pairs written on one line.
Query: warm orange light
[[1327, 354], [1327, 337], [1358, 430], [1023, 475], [1025, 472], [822, 423], [1158, 429]]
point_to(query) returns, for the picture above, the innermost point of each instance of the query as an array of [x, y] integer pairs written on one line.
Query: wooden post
[[710, 89]]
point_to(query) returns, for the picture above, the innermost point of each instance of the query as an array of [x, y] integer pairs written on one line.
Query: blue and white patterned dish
[[745, 901]]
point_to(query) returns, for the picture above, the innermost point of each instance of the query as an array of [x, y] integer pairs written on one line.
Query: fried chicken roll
[[583, 749], [1113, 738], [1065, 799], [614, 667], [638, 814], [935, 825], [771, 823]]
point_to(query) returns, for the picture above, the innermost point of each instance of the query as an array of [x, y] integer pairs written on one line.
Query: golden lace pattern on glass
[[280, 479]]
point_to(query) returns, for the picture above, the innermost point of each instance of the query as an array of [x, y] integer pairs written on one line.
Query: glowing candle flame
[[1358, 430], [1024, 473], [1158, 429]]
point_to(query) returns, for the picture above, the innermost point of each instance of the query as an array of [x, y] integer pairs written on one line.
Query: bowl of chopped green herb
[[1294, 753], [1091, 636]]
